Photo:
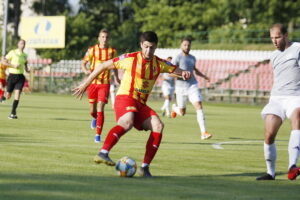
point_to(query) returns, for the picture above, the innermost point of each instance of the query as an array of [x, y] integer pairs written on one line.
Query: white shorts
[[192, 93], [282, 106], [167, 90]]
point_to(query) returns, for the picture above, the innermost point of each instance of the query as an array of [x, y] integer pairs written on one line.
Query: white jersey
[[185, 62], [286, 71]]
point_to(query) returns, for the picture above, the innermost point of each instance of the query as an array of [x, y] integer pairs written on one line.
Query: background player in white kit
[[284, 101], [188, 89], [167, 87]]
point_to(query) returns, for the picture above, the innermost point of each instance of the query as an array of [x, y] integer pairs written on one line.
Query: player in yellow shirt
[[3, 68], [99, 89], [17, 62], [141, 70]]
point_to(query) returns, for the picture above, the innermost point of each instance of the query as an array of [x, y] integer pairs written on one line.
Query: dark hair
[[189, 39], [281, 27], [104, 30], [149, 36]]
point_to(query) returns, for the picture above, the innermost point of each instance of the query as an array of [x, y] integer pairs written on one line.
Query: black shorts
[[15, 82]]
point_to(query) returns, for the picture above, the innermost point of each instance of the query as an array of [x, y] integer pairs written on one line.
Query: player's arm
[[107, 65], [6, 62], [84, 68], [181, 73], [26, 67], [201, 74]]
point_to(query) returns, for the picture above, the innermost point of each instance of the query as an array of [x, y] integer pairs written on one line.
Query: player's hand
[[79, 91], [186, 75]]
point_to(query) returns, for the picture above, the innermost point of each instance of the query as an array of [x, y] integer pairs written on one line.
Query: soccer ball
[[126, 167]]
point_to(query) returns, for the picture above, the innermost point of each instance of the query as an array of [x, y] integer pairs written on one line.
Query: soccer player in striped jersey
[[99, 89], [3, 68], [141, 70]]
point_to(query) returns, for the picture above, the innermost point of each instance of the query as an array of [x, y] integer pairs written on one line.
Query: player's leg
[[20, 80], [92, 97], [99, 121], [124, 124], [2, 89], [102, 97], [112, 94], [294, 142], [155, 125], [180, 108], [272, 125], [124, 109]]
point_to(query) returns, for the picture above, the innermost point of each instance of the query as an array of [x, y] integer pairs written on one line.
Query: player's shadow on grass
[[7, 138], [68, 119], [29, 186], [254, 175]]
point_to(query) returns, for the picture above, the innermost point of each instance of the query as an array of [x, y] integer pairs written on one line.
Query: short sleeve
[[88, 55], [9, 55], [166, 66]]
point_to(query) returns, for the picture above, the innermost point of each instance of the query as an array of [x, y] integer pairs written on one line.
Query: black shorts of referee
[[15, 82]]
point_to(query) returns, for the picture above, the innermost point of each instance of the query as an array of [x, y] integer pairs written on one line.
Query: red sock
[[113, 137], [94, 115], [100, 122], [152, 146], [1, 93]]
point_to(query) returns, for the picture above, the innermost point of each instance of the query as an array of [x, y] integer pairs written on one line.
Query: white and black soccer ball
[[126, 167]]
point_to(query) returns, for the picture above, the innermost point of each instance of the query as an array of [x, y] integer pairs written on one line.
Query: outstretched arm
[[79, 91], [181, 73], [201, 74]]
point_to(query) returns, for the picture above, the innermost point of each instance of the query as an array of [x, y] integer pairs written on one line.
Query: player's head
[[21, 44], [169, 58], [148, 42], [185, 45], [279, 36], [103, 37]]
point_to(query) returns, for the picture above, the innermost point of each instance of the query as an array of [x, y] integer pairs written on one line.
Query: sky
[[75, 5]]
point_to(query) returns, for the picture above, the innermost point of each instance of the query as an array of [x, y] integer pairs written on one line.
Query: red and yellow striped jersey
[[96, 55], [139, 74], [2, 71]]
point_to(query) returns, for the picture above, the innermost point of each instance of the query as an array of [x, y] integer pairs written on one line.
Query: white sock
[[104, 151], [112, 98], [270, 158], [201, 120], [176, 109], [294, 147], [144, 164], [167, 106]]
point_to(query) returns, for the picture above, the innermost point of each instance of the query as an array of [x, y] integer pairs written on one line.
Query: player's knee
[[269, 137], [126, 124], [158, 127]]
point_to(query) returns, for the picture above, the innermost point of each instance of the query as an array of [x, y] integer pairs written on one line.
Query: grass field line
[[220, 147]]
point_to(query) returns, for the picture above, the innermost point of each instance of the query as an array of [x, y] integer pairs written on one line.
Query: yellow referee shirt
[[16, 57]]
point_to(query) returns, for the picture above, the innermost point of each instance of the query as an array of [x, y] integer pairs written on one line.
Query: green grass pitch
[[48, 154]]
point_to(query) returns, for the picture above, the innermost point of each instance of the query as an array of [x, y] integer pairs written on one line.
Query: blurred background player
[[284, 101], [188, 89], [17, 62], [112, 89], [3, 68], [141, 71], [167, 87], [98, 91]]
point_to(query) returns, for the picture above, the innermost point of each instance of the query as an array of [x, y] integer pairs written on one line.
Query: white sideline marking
[[218, 145]]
